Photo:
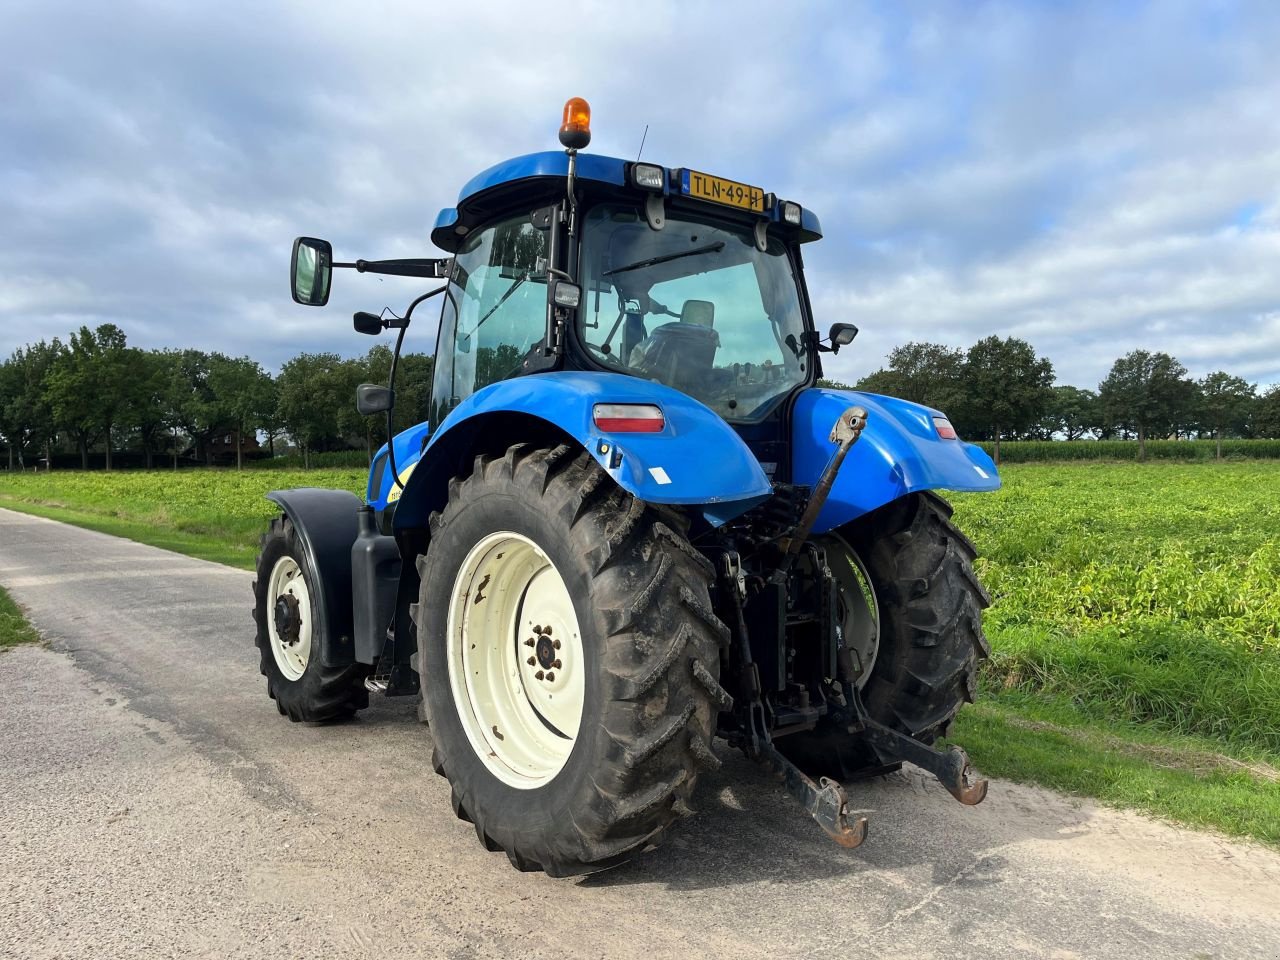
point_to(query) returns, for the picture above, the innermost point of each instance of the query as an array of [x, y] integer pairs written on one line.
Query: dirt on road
[[154, 804]]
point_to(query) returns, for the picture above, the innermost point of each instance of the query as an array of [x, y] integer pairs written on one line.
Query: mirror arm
[[435, 269]]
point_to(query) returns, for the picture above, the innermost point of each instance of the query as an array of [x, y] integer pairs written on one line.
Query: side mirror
[[373, 398], [369, 323], [311, 270], [842, 335]]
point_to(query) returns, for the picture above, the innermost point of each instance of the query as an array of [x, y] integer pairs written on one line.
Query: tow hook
[[826, 800]]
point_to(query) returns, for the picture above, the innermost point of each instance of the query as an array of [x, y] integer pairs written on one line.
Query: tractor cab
[[665, 274]]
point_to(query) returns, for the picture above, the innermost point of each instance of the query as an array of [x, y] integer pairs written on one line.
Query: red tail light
[[945, 430], [628, 418]]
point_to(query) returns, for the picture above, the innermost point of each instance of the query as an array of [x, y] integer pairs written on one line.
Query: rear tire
[[288, 640], [649, 645], [930, 614]]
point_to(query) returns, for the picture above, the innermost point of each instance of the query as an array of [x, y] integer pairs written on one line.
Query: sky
[[1093, 178]]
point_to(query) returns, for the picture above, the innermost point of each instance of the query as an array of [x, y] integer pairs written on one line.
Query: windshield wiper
[[666, 258], [494, 309]]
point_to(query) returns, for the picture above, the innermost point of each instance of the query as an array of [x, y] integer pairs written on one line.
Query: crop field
[[1135, 627]]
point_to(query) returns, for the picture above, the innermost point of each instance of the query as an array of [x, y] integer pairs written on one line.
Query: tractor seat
[[701, 313], [680, 354]]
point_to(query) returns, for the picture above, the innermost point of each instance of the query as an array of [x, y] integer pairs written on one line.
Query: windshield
[[695, 306]]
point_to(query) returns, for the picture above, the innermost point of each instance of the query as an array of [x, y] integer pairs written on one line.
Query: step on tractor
[[632, 521]]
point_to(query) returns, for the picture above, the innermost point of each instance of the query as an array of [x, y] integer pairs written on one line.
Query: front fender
[[898, 453], [697, 459], [326, 527]]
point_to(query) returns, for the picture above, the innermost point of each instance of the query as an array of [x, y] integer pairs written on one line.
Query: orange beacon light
[[575, 131]]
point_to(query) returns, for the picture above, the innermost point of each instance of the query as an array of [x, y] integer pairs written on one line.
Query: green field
[[1135, 629], [212, 514]]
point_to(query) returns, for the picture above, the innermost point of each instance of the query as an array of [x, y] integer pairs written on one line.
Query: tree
[[243, 397], [313, 388], [26, 415], [88, 386], [1007, 387], [146, 408], [194, 407], [1265, 419], [1225, 403], [928, 373], [1148, 393], [271, 424], [1072, 412]]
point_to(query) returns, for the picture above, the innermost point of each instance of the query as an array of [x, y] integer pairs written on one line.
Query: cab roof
[[532, 167]]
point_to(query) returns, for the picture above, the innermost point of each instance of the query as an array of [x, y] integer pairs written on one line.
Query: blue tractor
[[632, 521]]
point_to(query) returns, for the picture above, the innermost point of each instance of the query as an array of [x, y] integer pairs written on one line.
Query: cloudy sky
[[1093, 178]]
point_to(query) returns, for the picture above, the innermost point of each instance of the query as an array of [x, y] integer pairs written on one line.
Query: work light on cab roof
[[632, 520]]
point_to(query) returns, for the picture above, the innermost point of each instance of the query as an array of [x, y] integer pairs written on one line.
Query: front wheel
[[569, 660], [911, 610], [288, 637]]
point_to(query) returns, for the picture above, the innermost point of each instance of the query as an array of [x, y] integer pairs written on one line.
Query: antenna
[[643, 137]]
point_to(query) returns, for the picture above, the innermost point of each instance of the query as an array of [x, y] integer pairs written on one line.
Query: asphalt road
[[153, 804]]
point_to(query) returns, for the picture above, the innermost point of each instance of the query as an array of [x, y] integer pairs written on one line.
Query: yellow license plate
[[719, 190]]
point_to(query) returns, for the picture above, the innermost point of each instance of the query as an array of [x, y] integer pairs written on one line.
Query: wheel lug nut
[[548, 630], [539, 675], [556, 644], [556, 664], [550, 677], [531, 642], [538, 630], [531, 661]]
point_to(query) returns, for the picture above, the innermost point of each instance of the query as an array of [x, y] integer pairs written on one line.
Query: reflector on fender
[[628, 418], [945, 430]]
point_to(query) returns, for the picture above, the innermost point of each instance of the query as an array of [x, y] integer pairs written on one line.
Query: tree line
[[1000, 389], [96, 393]]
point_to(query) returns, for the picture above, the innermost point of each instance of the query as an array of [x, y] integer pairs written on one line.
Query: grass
[[1188, 780], [215, 515], [14, 628], [1135, 629]]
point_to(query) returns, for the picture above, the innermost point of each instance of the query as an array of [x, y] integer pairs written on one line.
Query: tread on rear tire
[[931, 639], [652, 648]]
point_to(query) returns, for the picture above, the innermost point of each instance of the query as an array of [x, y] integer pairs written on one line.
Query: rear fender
[[696, 460], [326, 527], [898, 453]]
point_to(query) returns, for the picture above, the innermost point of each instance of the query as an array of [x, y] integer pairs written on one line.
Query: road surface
[[154, 804]]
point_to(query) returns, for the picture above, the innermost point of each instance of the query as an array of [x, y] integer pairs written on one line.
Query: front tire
[[289, 640], [930, 640], [538, 546]]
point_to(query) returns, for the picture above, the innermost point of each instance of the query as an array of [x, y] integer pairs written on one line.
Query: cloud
[[1093, 177]]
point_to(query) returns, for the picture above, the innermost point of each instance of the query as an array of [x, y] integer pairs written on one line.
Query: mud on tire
[[651, 644], [321, 692], [931, 639]]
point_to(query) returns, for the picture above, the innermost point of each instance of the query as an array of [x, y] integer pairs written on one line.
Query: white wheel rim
[[859, 608], [509, 605], [291, 652]]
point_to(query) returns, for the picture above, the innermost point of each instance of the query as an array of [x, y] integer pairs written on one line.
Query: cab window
[[495, 311]]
